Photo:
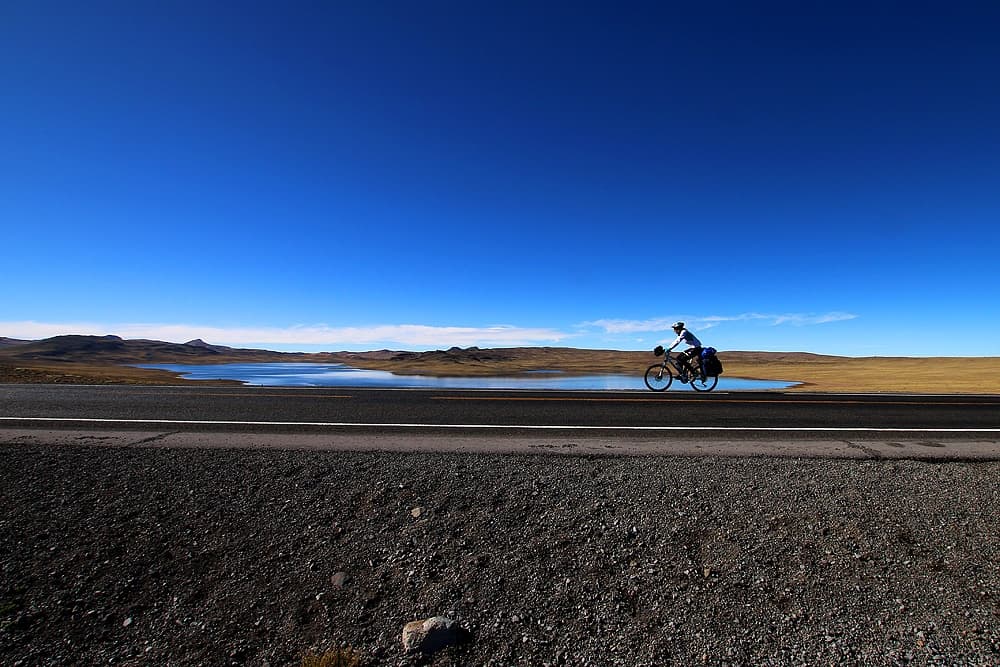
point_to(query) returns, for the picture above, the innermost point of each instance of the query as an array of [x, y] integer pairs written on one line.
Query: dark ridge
[[115, 350], [12, 342]]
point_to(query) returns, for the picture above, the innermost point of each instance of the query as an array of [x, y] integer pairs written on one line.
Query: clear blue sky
[[816, 176]]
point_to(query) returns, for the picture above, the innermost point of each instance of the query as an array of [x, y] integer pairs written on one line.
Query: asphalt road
[[743, 423]]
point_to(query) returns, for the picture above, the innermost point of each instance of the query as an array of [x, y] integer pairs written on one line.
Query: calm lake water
[[338, 375]]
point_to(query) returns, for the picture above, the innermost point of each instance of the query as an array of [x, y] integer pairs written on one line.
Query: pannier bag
[[710, 363]]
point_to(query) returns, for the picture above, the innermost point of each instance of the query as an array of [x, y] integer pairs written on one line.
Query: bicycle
[[660, 376]]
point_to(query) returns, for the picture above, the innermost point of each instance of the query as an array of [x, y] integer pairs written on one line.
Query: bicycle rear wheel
[[658, 377], [708, 384]]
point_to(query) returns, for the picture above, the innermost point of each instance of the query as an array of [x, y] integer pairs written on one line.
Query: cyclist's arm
[[677, 341]]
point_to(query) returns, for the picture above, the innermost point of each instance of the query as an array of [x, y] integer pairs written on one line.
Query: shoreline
[[810, 373]]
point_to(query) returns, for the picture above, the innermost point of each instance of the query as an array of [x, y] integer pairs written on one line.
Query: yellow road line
[[502, 427], [252, 394], [683, 400]]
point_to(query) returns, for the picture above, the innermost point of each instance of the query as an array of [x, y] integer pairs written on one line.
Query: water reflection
[[339, 375]]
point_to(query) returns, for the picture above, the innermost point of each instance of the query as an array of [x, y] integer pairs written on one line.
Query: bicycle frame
[[659, 376], [676, 362]]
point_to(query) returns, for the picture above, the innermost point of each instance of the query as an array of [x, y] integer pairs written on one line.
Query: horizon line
[[468, 347]]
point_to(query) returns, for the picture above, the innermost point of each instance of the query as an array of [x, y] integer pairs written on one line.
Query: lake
[[339, 375]]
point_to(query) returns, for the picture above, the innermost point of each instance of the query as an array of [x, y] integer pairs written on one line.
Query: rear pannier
[[710, 362]]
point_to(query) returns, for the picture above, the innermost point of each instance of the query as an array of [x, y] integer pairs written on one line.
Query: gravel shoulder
[[189, 556]]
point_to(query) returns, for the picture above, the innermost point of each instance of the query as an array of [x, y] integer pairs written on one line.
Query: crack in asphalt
[[870, 451], [152, 438]]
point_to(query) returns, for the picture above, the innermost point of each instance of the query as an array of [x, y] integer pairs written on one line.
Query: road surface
[[577, 422]]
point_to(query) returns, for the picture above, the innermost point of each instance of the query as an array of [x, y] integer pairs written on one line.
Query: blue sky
[[814, 176]]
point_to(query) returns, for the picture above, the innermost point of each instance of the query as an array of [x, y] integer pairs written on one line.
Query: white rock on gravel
[[431, 635]]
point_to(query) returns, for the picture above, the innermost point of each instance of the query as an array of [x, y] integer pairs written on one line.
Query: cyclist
[[692, 355]]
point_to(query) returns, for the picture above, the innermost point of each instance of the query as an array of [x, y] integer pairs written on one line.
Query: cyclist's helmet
[[677, 326]]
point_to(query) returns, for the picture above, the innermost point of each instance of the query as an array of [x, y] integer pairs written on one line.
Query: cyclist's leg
[[685, 363], [692, 358], [696, 362]]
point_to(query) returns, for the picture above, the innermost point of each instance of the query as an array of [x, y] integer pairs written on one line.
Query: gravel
[[259, 557]]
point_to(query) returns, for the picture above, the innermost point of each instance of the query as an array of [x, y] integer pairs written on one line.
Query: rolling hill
[[111, 359]]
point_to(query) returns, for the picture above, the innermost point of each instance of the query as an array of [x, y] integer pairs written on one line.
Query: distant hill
[[483, 362], [112, 351], [197, 342], [116, 350], [112, 360]]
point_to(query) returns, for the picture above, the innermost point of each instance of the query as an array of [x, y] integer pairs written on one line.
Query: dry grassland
[[946, 375], [937, 375], [55, 372]]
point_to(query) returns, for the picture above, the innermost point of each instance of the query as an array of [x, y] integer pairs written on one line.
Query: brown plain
[[945, 375], [814, 372]]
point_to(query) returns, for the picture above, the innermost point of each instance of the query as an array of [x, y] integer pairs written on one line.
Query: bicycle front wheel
[[708, 384], [658, 377]]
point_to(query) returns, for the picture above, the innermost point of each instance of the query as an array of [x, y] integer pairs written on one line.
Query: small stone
[[340, 579], [128, 622], [432, 634], [416, 512]]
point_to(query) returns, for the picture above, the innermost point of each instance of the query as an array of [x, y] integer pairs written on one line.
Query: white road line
[[186, 422]]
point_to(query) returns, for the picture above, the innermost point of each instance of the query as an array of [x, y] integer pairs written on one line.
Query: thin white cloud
[[407, 335], [805, 320], [629, 326], [617, 326]]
